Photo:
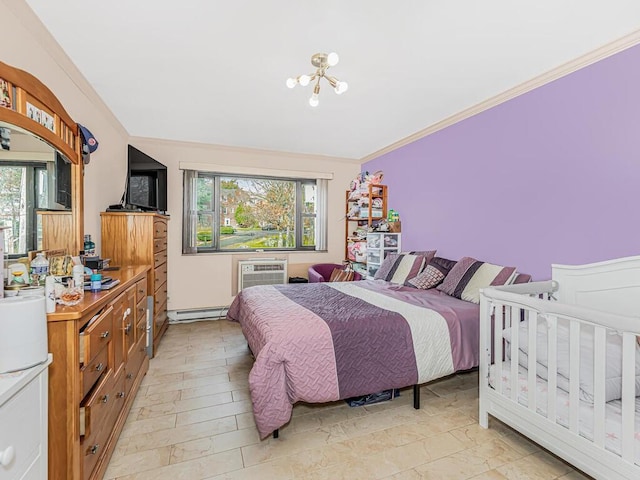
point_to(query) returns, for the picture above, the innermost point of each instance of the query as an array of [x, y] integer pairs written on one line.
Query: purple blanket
[[322, 342]]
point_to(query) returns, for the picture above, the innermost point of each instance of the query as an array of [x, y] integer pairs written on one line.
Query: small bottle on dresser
[[89, 246], [96, 281]]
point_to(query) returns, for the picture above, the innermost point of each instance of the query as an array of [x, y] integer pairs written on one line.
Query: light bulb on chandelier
[[322, 62]]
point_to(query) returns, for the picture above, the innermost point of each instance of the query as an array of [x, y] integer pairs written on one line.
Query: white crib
[[555, 386]]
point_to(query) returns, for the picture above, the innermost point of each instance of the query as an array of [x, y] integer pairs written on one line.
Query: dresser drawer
[[91, 450], [96, 410], [20, 420], [159, 244], [159, 258], [119, 397], [159, 228], [160, 298], [133, 364], [141, 334], [141, 310], [141, 290], [96, 335], [92, 370], [160, 276], [124, 311]]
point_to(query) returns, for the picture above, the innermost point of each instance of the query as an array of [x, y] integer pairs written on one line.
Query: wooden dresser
[[99, 360], [138, 238]]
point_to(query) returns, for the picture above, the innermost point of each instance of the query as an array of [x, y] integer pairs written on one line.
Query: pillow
[[400, 267], [340, 275], [433, 273], [469, 275], [613, 361]]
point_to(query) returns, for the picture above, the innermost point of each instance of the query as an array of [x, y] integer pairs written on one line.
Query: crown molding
[[246, 150], [565, 69]]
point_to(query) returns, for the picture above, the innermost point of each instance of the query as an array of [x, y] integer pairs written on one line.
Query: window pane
[[42, 188], [308, 231], [205, 194], [204, 230], [13, 208], [309, 198], [257, 213]]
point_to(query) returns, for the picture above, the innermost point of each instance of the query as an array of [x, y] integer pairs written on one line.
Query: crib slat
[[574, 374], [552, 366], [628, 394], [498, 327], [599, 354], [532, 315], [514, 317]]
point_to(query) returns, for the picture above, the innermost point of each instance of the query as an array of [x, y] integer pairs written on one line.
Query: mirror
[[41, 189], [35, 187]]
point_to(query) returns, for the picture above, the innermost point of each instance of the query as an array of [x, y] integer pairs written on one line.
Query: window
[[23, 189], [247, 213]]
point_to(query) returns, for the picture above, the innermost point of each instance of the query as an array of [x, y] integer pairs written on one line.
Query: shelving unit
[[362, 212], [379, 245]]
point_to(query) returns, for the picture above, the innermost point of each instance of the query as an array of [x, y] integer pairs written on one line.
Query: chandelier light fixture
[[322, 62]]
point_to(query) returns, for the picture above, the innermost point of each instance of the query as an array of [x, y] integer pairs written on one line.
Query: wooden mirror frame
[[64, 136]]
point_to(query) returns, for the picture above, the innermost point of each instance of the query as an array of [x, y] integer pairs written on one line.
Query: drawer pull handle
[[94, 449], [99, 367], [127, 312], [129, 376], [6, 456], [127, 329], [120, 394], [104, 334], [105, 399]]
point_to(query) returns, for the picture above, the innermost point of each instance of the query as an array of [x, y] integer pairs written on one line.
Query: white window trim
[[263, 172]]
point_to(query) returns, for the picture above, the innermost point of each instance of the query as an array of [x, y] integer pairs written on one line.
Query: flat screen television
[[146, 182]]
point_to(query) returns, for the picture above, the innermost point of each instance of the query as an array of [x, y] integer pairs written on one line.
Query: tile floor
[[192, 419]]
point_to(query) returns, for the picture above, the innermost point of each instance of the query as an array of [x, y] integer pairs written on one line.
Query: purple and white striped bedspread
[[322, 342]]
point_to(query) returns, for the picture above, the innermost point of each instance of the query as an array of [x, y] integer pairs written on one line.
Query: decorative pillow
[[400, 267], [340, 275], [469, 275], [433, 273]]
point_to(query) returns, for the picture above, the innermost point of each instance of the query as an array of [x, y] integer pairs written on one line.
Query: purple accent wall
[[552, 176]]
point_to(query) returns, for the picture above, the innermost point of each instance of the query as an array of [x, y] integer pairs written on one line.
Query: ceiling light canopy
[[322, 62]]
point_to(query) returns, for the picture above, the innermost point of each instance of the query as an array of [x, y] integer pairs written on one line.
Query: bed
[[321, 342], [560, 363]]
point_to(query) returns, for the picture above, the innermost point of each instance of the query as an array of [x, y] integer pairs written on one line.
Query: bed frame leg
[[276, 433], [416, 397]]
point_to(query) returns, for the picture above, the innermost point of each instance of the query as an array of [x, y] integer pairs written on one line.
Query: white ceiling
[[214, 71]]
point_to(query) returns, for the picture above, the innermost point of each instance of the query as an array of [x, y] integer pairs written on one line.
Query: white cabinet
[[23, 423], [379, 245]]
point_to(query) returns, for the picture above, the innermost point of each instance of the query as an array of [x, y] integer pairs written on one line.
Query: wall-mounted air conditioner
[[261, 272]]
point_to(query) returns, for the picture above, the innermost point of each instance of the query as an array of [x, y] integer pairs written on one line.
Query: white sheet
[[613, 376], [613, 423]]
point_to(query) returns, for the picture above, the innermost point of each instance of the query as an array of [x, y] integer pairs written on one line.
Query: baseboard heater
[[177, 316]]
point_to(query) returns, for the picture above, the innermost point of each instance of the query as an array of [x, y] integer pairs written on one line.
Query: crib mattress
[[613, 411]]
